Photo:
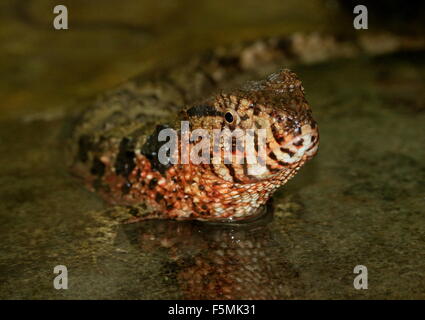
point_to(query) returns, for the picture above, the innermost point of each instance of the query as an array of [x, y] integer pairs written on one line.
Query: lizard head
[[275, 105]]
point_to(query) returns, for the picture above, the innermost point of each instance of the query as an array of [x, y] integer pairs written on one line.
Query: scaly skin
[[119, 160]]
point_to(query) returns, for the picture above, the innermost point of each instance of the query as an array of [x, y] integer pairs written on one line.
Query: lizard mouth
[[302, 143], [306, 142]]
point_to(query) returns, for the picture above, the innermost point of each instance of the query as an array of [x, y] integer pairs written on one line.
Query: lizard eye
[[229, 117]]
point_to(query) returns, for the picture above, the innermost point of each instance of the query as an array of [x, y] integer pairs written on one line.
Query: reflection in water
[[223, 261]]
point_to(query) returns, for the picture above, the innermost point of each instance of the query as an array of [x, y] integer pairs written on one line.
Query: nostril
[[299, 143], [298, 130]]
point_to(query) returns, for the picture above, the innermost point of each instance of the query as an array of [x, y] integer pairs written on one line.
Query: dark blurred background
[[108, 41]]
